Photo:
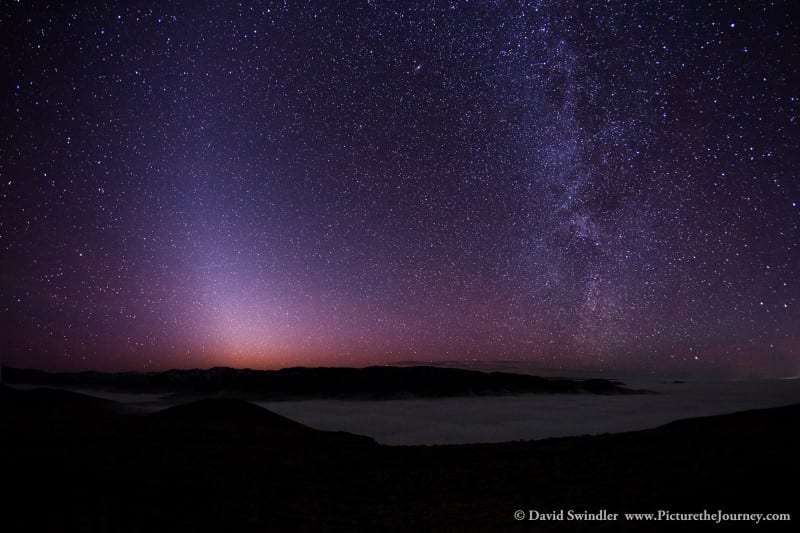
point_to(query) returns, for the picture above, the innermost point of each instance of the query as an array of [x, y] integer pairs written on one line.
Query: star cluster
[[604, 185]]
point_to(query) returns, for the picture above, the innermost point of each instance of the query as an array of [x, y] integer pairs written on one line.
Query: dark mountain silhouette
[[376, 382], [55, 410], [225, 415], [53, 403], [225, 465], [226, 411]]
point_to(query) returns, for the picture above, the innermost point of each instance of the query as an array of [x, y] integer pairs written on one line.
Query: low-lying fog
[[530, 416]]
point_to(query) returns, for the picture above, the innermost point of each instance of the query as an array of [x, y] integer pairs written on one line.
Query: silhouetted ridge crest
[[228, 411], [375, 382]]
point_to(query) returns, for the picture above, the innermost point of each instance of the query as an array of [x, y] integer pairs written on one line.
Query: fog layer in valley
[[533, 416], [506, 418]]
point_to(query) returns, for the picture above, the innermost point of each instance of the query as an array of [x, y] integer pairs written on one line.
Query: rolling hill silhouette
[[222, 416]]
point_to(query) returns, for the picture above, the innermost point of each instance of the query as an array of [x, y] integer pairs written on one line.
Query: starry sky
[[598, 185]]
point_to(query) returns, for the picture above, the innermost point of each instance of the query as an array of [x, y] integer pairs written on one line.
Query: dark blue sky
[[578, 184]]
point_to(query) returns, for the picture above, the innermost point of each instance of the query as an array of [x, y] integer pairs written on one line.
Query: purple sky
[[574, 184]]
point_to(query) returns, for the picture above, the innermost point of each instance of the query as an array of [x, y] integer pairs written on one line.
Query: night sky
[[595, 185]]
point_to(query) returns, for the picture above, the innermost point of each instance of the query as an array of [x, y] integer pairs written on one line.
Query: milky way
[[576, 184]]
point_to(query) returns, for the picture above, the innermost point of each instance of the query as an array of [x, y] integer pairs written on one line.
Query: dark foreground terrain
[[71, 462]]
